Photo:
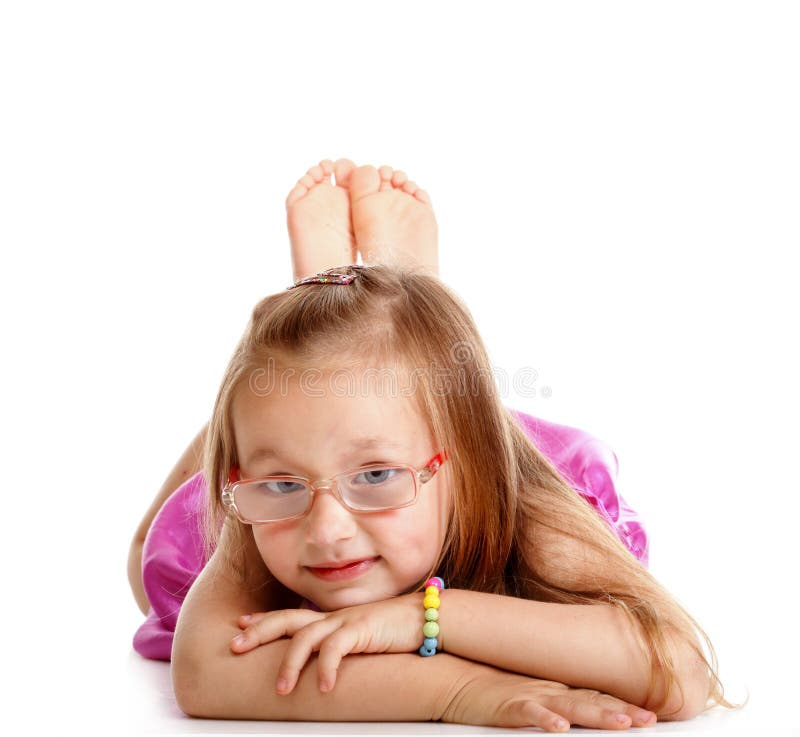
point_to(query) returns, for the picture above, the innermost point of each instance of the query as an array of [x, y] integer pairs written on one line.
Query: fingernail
[[645, 716], [283, 684], [324, 686], [622, 718], [561, 724], [246, 617], [240, 639]]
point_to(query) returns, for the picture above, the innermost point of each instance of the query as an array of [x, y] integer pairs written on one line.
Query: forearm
[[591, 646], [375, 687]]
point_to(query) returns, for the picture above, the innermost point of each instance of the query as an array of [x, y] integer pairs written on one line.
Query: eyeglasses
[[376, 487]]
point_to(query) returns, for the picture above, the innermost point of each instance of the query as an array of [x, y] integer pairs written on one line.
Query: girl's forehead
[[386, 389], [324, 414]]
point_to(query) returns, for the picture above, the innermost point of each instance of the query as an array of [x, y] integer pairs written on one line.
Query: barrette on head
[[326, 278]]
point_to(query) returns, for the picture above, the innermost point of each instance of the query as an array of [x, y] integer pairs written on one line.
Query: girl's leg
[[187, 466]]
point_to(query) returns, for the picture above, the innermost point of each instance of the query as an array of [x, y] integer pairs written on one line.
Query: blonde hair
[[507, 495]]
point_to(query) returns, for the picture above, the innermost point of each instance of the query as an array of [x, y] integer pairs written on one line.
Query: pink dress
[[173, 551]]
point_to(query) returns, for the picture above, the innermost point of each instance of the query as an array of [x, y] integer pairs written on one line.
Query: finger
[[304, 642], [272, 626], [340, 643], [247, 619], [587, 711], [530, 713], [639, 717]]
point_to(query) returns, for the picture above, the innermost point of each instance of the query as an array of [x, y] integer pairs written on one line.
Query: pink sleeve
[[590, 467], [172, 558]]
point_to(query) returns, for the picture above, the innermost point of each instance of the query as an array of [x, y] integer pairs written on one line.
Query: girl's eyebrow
[[364, 442]]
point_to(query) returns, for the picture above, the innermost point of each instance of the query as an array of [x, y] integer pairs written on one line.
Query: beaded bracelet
[[431, 627]]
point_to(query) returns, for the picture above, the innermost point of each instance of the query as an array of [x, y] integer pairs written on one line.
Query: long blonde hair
[[507, 495]]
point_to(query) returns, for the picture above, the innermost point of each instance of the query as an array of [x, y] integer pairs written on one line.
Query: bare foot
[[393, 220], [318, 216]]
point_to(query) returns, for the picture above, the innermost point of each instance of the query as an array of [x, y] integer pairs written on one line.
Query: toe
[[316, 173], [364, 181], [410, 187], [343, 168], [297, 193], [386, 177], [307, 181], [327, 167], [423, 196], [399, 178]]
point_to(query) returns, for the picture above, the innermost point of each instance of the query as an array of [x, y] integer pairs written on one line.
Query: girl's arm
[[188, 465], [594, 646], [210, 681], [591, 646]]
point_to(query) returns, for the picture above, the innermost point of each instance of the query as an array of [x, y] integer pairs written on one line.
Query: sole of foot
[[393, 220], [318, 217]]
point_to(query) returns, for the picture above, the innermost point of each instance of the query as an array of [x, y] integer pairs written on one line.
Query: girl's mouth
[[349, 571]]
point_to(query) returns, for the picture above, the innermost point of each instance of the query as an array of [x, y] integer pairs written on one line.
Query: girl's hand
[[493, 697], [389, 626]]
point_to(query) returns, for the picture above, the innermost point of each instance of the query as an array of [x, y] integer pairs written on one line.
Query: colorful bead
[[430, 629], [431, 602]]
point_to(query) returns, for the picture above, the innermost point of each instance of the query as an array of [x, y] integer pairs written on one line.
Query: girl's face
[[316, 437]]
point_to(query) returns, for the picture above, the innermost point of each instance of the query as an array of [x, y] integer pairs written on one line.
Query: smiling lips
[[338, 563], [343, 570]]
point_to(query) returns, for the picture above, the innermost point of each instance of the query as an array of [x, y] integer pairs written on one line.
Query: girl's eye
[[376, 475], [281, 487]]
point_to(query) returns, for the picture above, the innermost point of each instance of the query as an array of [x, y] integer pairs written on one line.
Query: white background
[[617, 193]]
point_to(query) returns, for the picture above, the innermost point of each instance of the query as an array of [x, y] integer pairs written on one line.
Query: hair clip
[[326, 278]]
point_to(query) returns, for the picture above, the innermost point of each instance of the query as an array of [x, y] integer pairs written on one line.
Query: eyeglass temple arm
[[433, 465]]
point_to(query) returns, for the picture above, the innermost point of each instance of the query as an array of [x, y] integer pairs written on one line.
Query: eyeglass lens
[[372, 489]]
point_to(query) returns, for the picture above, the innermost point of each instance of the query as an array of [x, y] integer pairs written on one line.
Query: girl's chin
[[331, 601]]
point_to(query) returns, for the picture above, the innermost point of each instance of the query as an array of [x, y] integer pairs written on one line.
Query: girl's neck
[[277, 596]]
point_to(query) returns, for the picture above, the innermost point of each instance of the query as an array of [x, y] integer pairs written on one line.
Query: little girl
[[368, 502]]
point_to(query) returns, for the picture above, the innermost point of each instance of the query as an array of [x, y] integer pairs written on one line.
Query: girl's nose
[[328, 521]]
